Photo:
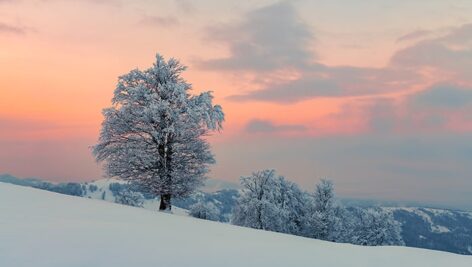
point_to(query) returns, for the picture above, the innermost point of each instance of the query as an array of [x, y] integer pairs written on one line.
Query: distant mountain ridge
[[431, 228]]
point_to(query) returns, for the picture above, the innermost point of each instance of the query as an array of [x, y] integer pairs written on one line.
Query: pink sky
[[375, 95]]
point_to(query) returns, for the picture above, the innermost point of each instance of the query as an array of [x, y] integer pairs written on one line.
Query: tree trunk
[[165, 203]]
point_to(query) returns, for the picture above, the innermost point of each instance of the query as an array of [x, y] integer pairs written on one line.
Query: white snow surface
[[45, 229]]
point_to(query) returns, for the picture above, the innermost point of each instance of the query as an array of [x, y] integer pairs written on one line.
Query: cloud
[[12, 29], [449, 56], [324, 81], [266, 126], [185, 5], [450, 53], [116, 3], [159, 21], [382, 115], [414, 35], [440, 108], [273, 44], [442, 96], [266, 39], [285, 70], [292, 91]]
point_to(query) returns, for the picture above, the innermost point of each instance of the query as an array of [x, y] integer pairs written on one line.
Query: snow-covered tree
[[255, 206], [153, 133], [204, 210], [375, 227], [321, 215], [290, 201], [130, 198], [269, 202]]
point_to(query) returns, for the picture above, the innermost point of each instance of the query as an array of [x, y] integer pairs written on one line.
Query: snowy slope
[[40, 228]]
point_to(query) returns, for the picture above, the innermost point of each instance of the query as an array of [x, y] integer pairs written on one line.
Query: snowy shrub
[[130, 198], [92, 188], [204, 210], [325, 217], [375, 227], [115, 188], [269, 202]]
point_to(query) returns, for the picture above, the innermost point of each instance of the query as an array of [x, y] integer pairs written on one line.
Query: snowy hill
[[440, 229], [40, 228]]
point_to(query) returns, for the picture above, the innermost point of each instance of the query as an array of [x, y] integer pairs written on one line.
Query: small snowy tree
[[290, 204], [321, 215], [375, 227], [130, 198], [153, 133], [254, 207], [269, 202], [204, 210]]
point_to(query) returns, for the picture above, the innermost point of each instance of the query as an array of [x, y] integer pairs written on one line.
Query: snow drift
[[39, 228]]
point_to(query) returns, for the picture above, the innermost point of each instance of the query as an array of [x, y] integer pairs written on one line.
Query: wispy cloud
[[274, 40], [267, 126], [441, 108], [413, 36], [160, 21], [101, 2], [259, 45], [266, 39], [186, 6], [325, 81], [13, 29], [450, 53]]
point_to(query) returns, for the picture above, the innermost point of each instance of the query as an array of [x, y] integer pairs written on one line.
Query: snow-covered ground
[[44, 229]]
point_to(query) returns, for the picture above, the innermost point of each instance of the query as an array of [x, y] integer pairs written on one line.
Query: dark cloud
[[442, 96], [266, 39], [166, 21], [273, 39], [266, 126], [451, 53], [292, 91], [324, 81]]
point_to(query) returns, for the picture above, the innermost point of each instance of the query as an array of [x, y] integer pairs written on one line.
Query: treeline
[[267, 201], [270, 202]]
